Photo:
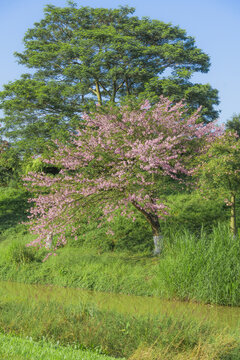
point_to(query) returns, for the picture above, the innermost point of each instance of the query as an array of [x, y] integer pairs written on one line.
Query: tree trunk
[[98, 92], [233, 221], [49, 240], [158, 244], [157, 236], [114, 91], [153, 220]]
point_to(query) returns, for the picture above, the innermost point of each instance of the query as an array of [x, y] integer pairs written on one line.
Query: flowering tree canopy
[[117, 159]]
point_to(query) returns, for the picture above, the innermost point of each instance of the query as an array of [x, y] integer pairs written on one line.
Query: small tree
[[117, 160], [234, 124], [220, 172]]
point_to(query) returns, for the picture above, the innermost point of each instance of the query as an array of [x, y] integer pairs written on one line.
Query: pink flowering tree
[[117, 160]]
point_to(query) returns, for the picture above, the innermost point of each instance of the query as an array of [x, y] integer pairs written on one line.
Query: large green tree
[[80, 56]]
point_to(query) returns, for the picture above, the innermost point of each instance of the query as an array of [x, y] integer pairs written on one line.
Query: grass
[[203, 267], [120, 335], [15, 348], [222, 348], [83, 268]]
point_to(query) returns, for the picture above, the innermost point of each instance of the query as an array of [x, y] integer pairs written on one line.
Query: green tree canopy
[[220, 172], [80, 56], [234, 124]]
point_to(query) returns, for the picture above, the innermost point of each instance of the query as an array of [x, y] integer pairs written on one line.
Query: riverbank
[[202, 267], [205, 269], [84, 325], [220, 316]]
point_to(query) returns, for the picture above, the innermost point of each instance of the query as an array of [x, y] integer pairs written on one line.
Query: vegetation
[[13, 207], [78, 56], [15, 348], [109, 332], [126, 159], [219, 173], [233, 124], [195, 264], [205, 269], [118, 161]]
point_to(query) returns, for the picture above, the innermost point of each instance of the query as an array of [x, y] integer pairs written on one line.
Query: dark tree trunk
[[153, 220]]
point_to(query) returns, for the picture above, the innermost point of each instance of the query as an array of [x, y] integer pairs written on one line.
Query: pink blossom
[[115, 162]]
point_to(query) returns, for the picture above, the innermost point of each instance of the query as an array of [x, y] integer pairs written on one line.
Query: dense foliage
[[233, 124], [220, 172], [78, 56], [118, 160]]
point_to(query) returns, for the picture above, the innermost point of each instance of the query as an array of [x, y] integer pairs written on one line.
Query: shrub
[[19, 253], [192, 212]]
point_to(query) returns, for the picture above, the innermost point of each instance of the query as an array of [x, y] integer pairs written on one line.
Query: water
[[221, 316]]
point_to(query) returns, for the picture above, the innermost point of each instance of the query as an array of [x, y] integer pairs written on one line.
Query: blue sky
[[215, 25]]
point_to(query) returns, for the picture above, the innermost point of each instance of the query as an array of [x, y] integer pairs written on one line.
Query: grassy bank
[[205, 268], [15, 348], [202, 266], [84, 326]]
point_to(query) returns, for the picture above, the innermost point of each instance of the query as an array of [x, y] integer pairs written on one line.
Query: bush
[[186, 211], [192, 212], [132, 235], [19, 253], [121, 234], [13, 207]]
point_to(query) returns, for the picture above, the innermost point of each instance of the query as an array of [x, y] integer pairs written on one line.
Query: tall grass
[[222, 347], [80, 267], [109, 332], [204, 268]]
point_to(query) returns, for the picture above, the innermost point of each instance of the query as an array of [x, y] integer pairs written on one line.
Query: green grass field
[[15, 348]]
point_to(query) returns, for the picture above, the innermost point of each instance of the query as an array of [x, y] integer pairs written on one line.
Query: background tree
[[220, 173], [179, 87], [117, 161], [80, 56], [234, 124], [10, 164]]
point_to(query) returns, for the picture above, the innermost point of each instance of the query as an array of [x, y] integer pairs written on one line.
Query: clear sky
[[215, 25]]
